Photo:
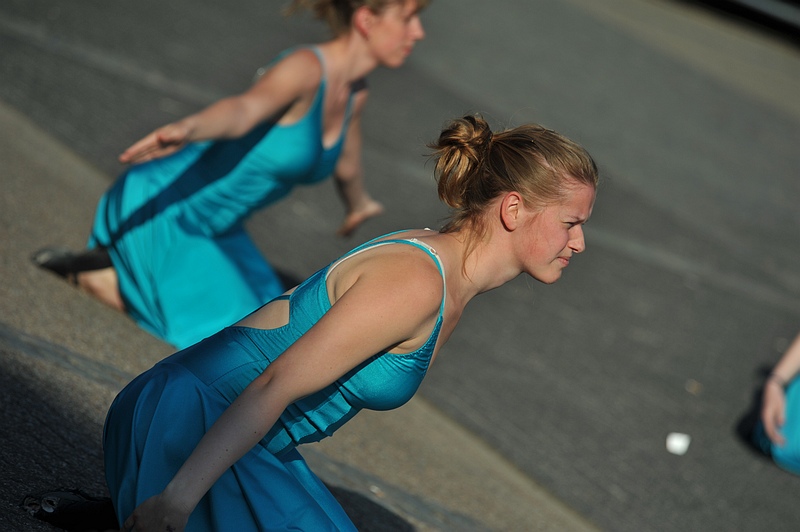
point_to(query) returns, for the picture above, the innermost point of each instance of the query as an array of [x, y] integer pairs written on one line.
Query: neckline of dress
[[322, 90]]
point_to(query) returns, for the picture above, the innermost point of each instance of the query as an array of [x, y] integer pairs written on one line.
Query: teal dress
[[788, 455], [174, 226], [157, 420]]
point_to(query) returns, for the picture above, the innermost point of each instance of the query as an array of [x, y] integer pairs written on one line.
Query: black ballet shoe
[[68, 264], [57, 260], [71, 510]]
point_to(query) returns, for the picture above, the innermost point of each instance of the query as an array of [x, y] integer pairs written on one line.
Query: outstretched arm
[[773, 405], [232, 117], [349, 176], [377, 311]]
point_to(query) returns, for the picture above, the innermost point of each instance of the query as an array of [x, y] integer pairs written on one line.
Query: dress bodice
[[210, 187], [240, 176], [382, 382]]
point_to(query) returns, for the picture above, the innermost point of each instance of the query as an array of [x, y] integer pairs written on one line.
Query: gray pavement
[[63, 356]]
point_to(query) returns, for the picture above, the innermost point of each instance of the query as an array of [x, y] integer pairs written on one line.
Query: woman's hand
[[773, 410], [356, 217], [160, 143], [156, 514]]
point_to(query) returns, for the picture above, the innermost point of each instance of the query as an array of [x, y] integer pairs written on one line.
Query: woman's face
[[393, 32], [549, 236]]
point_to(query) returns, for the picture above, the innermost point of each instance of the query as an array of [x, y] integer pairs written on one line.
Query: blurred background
[[689, 289]]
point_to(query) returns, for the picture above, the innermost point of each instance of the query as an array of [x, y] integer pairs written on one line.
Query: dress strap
[[355, 87], [321, 59]]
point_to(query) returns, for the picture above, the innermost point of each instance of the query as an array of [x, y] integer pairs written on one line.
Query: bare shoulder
[[300, 68], [304, 58], [402, 274], [414, 269]]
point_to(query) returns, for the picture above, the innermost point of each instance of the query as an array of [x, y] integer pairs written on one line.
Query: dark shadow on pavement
[[51, 433], [786, 29], [368, 515], [747, 423]]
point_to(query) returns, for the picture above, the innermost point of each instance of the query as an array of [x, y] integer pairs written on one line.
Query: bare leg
[[102, 285], [370, 209]]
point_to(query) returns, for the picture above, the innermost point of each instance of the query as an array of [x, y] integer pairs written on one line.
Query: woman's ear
[[511, 207], [362, 20]]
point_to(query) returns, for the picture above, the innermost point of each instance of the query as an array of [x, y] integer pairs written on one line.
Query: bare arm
[[773, 405], [293, 77], [379, 310], [349, 175]]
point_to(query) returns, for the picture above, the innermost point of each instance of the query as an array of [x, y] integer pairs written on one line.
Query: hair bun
[[471, 134], [463, 147]]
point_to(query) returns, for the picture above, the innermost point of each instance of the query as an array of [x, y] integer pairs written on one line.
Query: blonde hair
[[474, 166], [338, 14]]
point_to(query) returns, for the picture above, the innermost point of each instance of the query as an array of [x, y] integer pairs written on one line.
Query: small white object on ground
[[678, 443]]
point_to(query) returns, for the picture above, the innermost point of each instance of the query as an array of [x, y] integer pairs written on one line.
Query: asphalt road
[[689, 286]]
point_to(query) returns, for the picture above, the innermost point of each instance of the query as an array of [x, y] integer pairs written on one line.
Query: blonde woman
[[168, 245], [206, 439]]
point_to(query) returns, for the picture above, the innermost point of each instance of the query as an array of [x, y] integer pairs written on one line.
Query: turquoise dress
[[158, 419], [787, 456], [174, 226]]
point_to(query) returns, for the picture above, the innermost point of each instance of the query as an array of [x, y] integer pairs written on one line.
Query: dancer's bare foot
[[102, 285], [354, 219]]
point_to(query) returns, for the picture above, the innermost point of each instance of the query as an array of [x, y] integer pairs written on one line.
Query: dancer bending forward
[[206, 439]]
